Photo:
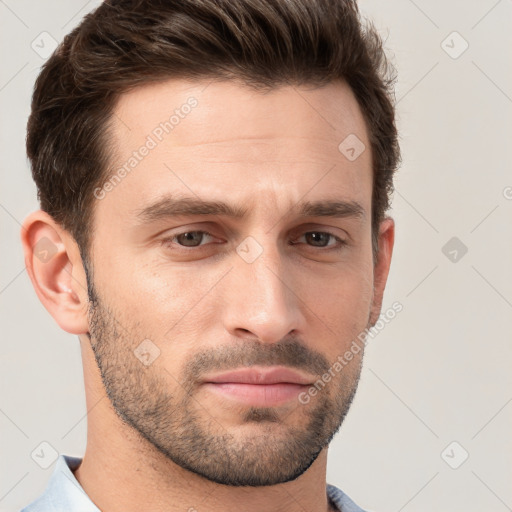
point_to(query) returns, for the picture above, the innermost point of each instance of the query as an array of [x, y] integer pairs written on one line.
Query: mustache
[[291, 353]]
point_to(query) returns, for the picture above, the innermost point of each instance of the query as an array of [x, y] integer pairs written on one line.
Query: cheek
[[166, 302], [342, 295], [152, 301], [343, 304]]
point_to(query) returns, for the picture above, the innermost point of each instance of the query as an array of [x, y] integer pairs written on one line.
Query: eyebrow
[[168, 207]]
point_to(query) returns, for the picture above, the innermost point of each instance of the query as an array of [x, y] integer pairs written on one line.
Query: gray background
[[438, 373]]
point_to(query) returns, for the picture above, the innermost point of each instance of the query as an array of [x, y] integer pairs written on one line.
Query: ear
[[381, 266], [54, 265]]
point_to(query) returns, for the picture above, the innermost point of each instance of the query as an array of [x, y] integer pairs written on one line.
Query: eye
[[198, 238], [187, 238], [321, 239]]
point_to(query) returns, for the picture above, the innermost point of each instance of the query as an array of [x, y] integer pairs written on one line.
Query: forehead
[[217, 139], [230, 109]]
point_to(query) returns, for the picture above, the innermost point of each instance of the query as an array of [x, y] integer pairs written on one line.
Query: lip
[[258, 386], [261, 375], [258, 395]]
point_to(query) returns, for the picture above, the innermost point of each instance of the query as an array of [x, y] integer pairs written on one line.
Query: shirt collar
[[64, 493]]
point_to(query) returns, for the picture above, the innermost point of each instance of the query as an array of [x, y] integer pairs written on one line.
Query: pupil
[[195, 237], [317, 237], [191, 236]]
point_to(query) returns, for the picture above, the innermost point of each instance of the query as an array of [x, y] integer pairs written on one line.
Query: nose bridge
[[264, 302], [267, 269]]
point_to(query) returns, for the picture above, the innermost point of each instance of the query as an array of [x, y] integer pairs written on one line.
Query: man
[[213, 178]]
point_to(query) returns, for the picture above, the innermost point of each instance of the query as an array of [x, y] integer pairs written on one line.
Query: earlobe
[[382, 265], [54, 265]]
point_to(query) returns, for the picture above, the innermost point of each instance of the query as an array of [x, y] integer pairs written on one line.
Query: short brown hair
[[128, 43]]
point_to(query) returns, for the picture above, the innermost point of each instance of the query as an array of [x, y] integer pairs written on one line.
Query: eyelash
[[170, 240]]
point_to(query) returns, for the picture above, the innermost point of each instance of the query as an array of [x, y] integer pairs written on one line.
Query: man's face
[[180, 297]]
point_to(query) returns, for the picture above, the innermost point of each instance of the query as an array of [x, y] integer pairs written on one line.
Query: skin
[[157, 438]]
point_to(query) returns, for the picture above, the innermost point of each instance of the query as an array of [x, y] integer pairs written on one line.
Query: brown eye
[[321, 239], [318, 238], [190, 239]]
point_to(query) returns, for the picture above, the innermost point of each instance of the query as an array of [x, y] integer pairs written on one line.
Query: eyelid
[[168, 240], [340, 241]]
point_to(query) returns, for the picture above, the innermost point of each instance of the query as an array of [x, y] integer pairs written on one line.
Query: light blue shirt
[[63, 493]]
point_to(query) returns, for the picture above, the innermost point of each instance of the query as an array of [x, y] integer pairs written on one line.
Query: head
[[214, 177]]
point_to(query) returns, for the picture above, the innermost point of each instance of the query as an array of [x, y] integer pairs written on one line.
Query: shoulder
[[341, 500], [63, 493]]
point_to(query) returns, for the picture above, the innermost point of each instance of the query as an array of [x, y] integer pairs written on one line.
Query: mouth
[[262, 386]]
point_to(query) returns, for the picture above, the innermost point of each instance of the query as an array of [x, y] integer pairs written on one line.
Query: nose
[[260, 302]]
